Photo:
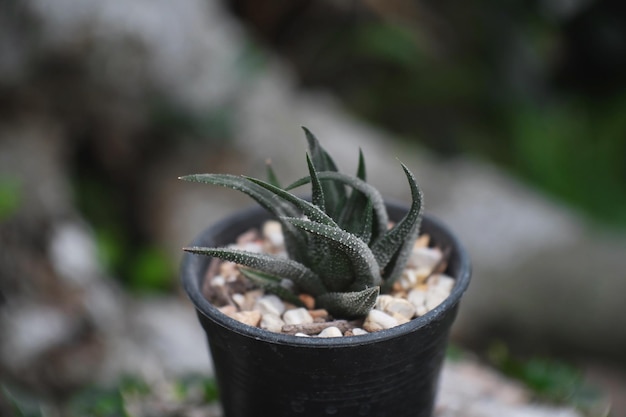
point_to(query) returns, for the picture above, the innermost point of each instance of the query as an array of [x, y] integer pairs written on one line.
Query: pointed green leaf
[[361, 172], [367, 223], [302, 276], [398, 242], [244, 185], [366, 268], [349, 304], [271, 175], [335, 194], [356, 207], [295, 242], [317, 193], [271, 284], [372, 193], [308, 209]]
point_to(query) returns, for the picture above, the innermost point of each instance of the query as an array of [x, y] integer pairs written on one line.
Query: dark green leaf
[[349, 304], [317, 193], [366, 268], [335, 194], [308, 209], [397, 243], [295, 241], [302, 276], [378, 204], [271, 175]]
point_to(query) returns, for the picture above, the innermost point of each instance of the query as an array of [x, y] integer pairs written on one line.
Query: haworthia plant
[[342, 250]]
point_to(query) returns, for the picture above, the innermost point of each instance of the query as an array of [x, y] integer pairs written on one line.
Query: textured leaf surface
[[335, 194], [302, 276], [295, 241], [366, 269], [378, 204], [397, 243], [308, 209], [272, 178], [349, 304]]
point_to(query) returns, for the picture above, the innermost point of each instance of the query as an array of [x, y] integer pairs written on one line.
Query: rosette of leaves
[[340, 245]]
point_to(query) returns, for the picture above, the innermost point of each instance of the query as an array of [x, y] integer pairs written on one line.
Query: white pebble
[[251, 318], [382, 301], [218, 281], [377, 320], [272, 322], [331, 331], [302, 335], [270, 304], [273, 233], [424, 258], [442, 282], [357, 331], [433, 299], [401, 307], [240, 300], [417, 297], [297, 316]]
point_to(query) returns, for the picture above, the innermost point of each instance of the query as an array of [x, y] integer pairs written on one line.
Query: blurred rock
[[470, 390], [83, 86]]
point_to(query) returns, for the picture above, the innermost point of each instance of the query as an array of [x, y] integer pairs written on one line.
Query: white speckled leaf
[[366, 269], [302, 276], [349, 304]]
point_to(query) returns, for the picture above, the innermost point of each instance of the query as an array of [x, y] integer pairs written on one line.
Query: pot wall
[[389, 373]]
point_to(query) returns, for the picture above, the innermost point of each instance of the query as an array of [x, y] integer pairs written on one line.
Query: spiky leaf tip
[[302, 276], [349, 304]]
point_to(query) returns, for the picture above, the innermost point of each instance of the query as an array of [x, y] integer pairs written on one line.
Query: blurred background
[[511, 114]]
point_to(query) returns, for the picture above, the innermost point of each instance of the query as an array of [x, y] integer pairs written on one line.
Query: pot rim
[[193, 287]]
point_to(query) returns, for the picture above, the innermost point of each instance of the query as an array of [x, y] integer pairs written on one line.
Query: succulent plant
[[341, 248]]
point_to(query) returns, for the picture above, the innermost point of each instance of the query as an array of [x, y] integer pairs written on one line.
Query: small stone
[[382, 301], [218, 281], [442, 282], [417, 297], [422, 241], [302, 335], [240, 300], [307, 300], [401, 319], [320, 313], [433, 299], [331, 331], [297, 316], [439, 288], [228, 270], [400, 307], [378, 320], [251, 318], [272, 322], [424, 258], [273, 233], [229, 310], [357, 331], [251, 298], [270, 303]]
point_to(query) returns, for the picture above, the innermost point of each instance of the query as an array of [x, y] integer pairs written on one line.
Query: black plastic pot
[[389, 373]]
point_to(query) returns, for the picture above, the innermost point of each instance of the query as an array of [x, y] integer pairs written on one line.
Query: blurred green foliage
[[10, 197], [550, 380], [125, 254], [538, 87], [131, 397]]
